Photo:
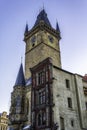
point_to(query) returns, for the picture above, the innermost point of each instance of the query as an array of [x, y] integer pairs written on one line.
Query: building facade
[[47, 97], [3, 121]]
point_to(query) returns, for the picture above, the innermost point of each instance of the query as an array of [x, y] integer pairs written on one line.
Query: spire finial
[[26, 28], [21, 59], [57, 26], [43, 5]]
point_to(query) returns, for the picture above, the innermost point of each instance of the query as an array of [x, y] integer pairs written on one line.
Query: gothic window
[[67, 84], [40, 78], [62, 123], [41, 118], [69, 102], [42, 97]]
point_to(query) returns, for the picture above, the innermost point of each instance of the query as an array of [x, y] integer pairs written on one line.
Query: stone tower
[[42, 41], [17, 110]]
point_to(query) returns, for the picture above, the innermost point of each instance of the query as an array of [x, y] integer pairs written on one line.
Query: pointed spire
[[20, 77], [57, 27], [42, 16], [26, 28]]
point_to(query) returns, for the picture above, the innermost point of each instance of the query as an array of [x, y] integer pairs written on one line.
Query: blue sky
[[72, 19]]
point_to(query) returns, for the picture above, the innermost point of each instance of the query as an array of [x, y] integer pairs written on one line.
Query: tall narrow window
[[67, 83], [69, 102], [43, 118], [86, 105], [39, 120], [62, 123], [42, 97], [72, 123], [40, 78]]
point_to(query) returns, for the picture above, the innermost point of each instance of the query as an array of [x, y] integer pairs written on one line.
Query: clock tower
[[42, 41]]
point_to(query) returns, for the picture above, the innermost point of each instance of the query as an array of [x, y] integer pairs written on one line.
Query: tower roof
[[20, 80], [42, 16]]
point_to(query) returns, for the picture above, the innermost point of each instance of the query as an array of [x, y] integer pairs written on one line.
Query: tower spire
[[26, 28], [20, 80], [57, 27], [42, 16]]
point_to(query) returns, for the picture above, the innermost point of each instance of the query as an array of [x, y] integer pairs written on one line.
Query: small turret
[[20, 77]]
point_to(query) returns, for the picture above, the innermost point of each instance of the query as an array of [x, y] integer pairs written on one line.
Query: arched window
[[27, 105], [43, 118], [39, 119]]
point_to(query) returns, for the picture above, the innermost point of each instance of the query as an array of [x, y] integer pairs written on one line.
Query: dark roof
[[57, 27], [26, 29], [28, 81], [20, 77], [42, 16]]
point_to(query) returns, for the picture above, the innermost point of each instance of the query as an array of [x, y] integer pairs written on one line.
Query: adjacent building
[[3, 121], [47, 97]]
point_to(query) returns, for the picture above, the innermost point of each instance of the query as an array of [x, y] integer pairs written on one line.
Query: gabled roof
[[42, 16], [20, 80]]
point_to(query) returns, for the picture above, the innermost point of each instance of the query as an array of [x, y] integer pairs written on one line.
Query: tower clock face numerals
[[51, 39]]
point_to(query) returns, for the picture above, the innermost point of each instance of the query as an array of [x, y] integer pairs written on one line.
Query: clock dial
[[33, 39], [51, 39]]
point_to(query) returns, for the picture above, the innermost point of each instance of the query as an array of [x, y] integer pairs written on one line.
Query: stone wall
[[60, 95]]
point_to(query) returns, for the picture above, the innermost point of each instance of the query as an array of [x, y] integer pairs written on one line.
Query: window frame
[[67, 81], [69, 100]]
